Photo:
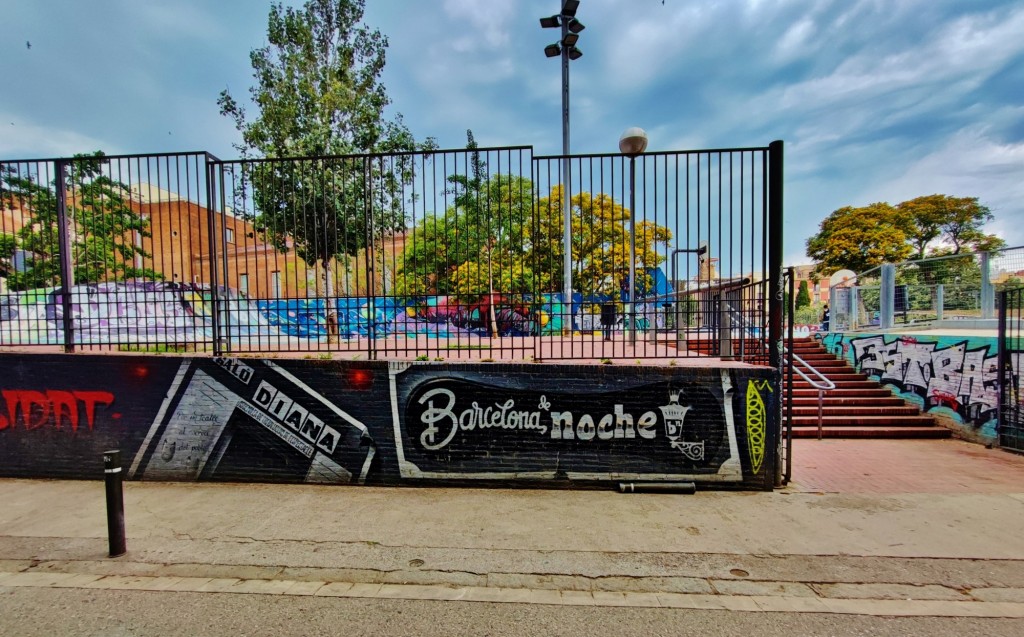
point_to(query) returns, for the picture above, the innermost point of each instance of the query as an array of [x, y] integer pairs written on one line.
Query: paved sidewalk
[[920, 528]]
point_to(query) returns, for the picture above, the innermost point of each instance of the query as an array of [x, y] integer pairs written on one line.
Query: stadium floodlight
[[550, 23], [566, 49]]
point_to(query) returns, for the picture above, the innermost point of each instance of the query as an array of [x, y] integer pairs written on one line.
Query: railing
[[442, 254], [950, 287], [1011, 363], [820, 382]]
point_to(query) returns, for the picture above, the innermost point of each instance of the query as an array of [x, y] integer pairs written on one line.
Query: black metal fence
[[439, 255], [1011, 359]]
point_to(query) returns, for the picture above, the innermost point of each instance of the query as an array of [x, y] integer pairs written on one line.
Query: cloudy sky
[[876, 100]]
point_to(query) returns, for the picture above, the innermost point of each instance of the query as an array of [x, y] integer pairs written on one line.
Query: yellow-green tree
[[600, 240], [495, 239], [860, 239]]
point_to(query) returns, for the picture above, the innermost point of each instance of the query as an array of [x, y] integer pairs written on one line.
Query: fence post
[[371, 260], [940, 301], [211, 226], [67, 270], [988, 296], [775, 288], [725, 349], [887, 296], [1002, 362], [854, 309]]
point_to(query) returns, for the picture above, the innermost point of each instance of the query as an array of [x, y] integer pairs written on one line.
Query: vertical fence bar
[[988, 297], [775, 247], [791, 311], [1005, 373], [67, 272], [212, 181], [887, 296]]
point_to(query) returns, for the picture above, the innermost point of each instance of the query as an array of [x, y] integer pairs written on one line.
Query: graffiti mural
[[376, 422], [952, 376], [158, 312], [478, 424], [58, 408], [227, 407], [757, 421]]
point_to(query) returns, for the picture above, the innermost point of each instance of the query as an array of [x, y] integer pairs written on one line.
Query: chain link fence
[[960, 287]]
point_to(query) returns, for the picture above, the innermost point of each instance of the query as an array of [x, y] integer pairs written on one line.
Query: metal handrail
[[825, 385], [822, 385]]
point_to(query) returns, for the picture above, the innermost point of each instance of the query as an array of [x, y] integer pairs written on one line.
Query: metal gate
[[1011, 357], [467, 254]]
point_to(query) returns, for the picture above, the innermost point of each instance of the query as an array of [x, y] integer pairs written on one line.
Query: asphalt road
[[27, 612]]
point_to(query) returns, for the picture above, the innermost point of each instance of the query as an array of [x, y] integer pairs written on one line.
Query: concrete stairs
[[857, 408]]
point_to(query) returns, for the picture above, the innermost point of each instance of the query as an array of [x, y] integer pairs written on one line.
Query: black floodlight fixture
[[574, 53], [575, 25], [569, 7], [570, 39], [550, 23], [552, 50]]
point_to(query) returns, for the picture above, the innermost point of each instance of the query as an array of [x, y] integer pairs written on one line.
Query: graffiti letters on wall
[[480, 425], [232, 420], [348, 422], [59, 408], [960, 375]]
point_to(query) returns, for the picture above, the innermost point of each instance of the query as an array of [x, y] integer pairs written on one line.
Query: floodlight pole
[[566, 176]]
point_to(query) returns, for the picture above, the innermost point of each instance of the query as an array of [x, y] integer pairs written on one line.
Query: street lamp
[[632, 143], [566, 48]]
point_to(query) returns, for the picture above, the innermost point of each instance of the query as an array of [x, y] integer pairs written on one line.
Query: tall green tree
[[803, 295], [954, 221], [8, 246], [933, 225], [859, 239], [480, 244], [600, 243], [104, 229], [317, 93]]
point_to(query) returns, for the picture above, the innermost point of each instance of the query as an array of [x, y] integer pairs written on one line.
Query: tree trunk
[[330, 306]]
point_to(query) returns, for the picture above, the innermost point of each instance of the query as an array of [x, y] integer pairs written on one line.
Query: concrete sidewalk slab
[[862, 521]]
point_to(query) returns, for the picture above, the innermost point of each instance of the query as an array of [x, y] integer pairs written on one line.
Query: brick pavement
[[904, 466]]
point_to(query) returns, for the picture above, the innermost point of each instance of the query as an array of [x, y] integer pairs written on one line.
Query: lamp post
[[632, 143], [566, 48]]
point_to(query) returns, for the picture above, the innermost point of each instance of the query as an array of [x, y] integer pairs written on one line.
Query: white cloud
[[970, 164], [488, 19], [23, 139], [174, 20], [959, 56]]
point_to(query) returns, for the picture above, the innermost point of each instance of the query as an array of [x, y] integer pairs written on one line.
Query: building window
[[229, 235], [275, 284], [243, 284]]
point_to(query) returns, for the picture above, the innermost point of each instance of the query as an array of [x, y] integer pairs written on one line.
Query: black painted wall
[[261, 420]]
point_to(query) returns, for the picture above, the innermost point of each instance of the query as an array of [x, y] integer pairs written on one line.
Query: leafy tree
[[8, 246], [859, 239], [494, 237], [933, 225], [482, 238], [103, 234], [956, 221], [449, 252], [318, 94], [600, 243], [1011, 283], [803, 295]]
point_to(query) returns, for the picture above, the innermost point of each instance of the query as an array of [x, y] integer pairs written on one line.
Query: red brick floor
[[904, 466]]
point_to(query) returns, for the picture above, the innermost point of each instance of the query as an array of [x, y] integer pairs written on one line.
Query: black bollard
[[115, 502]]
